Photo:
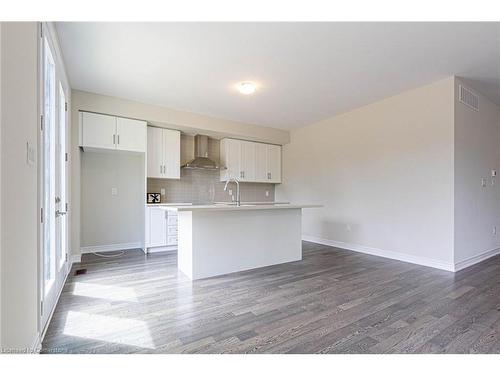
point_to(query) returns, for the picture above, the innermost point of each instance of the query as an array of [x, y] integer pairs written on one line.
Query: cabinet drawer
[[172, 240], [172, 230], [172, 219]]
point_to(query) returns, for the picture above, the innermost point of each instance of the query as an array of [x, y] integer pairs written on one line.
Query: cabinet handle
[[268, 175], [118, 138], [161, 169], [114, 136]]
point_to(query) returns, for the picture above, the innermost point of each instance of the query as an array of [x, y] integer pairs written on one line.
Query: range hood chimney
[[201, 160]]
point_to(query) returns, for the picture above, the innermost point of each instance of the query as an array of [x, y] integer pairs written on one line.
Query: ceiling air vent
[[468, 98]]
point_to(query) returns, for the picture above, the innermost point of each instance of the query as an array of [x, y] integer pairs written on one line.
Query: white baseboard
[[475, 259], [111, 247], [423, 261], [161, 249]]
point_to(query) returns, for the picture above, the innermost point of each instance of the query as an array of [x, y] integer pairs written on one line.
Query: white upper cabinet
[[172, 153], [112, 133], [250, 161], [155, 152], [230, 154], [97, 131], [130, 135], [247, 162], [261, 171], [164, 153], [274, 163]]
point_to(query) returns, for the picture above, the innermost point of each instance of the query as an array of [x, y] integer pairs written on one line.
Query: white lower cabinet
[[161, 229]]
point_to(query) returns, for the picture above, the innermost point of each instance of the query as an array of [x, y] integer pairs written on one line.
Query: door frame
[[47, 30]]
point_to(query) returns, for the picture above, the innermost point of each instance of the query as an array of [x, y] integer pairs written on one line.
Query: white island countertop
[[233, 207]]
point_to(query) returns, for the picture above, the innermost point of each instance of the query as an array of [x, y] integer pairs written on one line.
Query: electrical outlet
[[483, 181], [114, 191], [162, 191], [267, 193]]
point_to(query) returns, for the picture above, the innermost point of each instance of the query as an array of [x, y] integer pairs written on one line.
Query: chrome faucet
[[235, 180]]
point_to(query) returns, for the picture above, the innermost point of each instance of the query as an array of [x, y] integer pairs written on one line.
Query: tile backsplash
[[200, 186]]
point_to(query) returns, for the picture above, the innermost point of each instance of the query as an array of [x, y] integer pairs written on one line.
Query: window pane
[[62, 174], [49, 183]]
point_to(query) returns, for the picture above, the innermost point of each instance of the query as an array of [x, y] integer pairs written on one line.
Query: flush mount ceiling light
[[246, 88]]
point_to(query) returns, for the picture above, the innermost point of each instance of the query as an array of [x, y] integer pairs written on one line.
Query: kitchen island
[[218, 239]]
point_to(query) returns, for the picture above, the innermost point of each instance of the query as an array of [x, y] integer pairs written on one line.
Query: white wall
[[0, 184], [477, 152], [19, 211], [384, 173], [112, 219], [183, 121]]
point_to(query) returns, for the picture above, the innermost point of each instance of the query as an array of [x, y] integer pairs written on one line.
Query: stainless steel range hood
[[201, 160]]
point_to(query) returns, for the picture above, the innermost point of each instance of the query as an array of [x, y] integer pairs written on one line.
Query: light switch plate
[[30, 154], [162, 191]]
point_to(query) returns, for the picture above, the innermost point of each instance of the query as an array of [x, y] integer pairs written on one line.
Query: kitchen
[[185, 174]]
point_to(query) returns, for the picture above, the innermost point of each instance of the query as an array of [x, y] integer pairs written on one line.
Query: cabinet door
[[261, 170], [171, 153], [155, 152], [157, 227], [274, 163], [98, 131], [247, 161], [231, 154], [130, 135]]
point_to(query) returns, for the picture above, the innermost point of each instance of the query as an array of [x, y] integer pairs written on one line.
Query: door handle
[[60, 213]]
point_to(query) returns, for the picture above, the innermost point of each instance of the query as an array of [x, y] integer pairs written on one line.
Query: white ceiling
[[307, 71]]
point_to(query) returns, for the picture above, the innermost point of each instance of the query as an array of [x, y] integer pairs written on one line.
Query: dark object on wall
[[154, 197]]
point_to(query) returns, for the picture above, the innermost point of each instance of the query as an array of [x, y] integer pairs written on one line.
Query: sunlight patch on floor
[[109, 292], [109, 329]]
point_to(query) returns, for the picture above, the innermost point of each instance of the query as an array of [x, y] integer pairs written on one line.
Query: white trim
[[68, 271], [161, 249], [475, 259], [423, 261], [111, 247]]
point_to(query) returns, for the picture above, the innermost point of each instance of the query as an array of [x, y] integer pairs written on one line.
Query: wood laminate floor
[[333, 301]]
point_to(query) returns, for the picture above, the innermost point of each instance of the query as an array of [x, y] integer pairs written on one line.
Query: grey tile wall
[[198, 186]]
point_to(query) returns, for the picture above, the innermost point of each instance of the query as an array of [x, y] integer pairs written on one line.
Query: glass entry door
[[54, 181]]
